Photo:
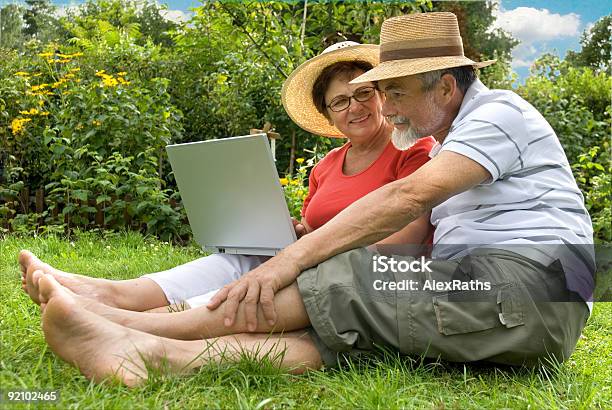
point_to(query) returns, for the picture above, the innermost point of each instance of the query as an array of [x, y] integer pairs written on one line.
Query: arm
[[374, 217], [386, 210], [413, 233]]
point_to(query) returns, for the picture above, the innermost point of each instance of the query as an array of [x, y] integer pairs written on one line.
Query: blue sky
[[540, 25]]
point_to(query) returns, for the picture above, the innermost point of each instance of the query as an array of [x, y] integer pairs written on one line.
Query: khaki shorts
[[354, 310]]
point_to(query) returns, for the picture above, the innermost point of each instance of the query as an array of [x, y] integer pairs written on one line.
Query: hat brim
[[296, 93], [403, 68]]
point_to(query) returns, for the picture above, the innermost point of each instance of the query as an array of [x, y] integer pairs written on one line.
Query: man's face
[[415, 114]]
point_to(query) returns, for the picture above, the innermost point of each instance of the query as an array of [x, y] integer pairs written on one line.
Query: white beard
[[404, 139]]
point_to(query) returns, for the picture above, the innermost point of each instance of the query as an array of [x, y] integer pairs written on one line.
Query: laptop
[[232, 195]]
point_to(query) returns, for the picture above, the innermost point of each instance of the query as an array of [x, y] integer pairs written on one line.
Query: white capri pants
[[197, 282]]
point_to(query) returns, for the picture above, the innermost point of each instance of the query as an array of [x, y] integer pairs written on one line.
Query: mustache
[[398, 119]]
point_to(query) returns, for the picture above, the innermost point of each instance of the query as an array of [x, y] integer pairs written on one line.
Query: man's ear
[[448, 85]]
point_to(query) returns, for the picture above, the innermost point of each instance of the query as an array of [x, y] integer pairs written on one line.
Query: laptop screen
[[232, 195]]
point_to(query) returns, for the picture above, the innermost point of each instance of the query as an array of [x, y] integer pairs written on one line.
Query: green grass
[[584, 381]]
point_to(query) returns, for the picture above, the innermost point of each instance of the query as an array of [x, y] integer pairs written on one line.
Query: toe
[[49, 287], [25, 257], [46, 286], [37, 276]]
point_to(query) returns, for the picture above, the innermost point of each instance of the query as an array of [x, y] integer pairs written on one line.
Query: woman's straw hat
[[418, 43], [297, 89]]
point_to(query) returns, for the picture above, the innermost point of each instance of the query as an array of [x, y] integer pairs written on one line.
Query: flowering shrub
[[92, 140], [296, 188]]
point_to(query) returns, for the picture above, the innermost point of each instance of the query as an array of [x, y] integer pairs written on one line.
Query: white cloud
[[524, 55], [176, 16], [534, 28], [63, 10], [531, 25], [518, 63]]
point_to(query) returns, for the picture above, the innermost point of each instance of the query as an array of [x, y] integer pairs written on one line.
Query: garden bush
[[92, 140]]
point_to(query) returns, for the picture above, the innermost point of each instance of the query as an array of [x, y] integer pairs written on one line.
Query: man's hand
[[256, 287]]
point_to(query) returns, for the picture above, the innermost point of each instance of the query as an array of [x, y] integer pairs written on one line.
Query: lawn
[[584, 381]]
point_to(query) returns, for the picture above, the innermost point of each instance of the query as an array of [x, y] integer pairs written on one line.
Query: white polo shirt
[[532, 198]]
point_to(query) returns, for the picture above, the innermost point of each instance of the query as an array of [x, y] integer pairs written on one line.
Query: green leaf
[[80, 194], [102, 198]]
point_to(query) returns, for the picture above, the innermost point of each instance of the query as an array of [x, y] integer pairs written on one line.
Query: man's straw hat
[[297, 89], [418, 43]]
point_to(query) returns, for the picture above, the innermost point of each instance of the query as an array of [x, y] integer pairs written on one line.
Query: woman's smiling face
[[360, 119]]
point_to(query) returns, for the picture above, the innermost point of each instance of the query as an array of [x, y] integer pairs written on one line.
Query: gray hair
[[464, 75]]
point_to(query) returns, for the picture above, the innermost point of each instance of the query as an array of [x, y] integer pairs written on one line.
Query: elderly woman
[[319, 98]]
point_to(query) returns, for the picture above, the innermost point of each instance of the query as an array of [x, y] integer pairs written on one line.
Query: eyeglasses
[[342, 102]]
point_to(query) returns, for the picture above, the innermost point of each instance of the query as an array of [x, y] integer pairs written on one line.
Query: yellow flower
[[69, 75], [109, 81], [299, 160], [42, 92], [22, 74], [75, 69], [68, 56], [96, 123], [41, 103], [44, 113], [46, 54], [33, 111], [38, 87], [123, 73], [300, 192], [17, 125], [100, 73], [284, 181], [293, 182], [122, 81]]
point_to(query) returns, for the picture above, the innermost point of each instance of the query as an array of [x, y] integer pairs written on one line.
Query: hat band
[[421, 48], [406, 54]]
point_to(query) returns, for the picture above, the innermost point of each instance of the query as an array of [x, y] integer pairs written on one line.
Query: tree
[[40, 20], [11, 24], [109, 20], [595, 52], [154, 25]]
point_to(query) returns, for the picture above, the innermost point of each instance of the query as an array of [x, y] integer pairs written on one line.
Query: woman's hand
[[301, 227]]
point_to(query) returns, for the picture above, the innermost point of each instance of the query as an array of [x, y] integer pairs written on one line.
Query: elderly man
[[512, 263]]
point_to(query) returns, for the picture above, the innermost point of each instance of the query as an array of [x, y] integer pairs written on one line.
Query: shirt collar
[[471, 93]]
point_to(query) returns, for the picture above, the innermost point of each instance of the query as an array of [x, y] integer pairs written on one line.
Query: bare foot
[[93, 288], [155, 323], [100, 349]]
